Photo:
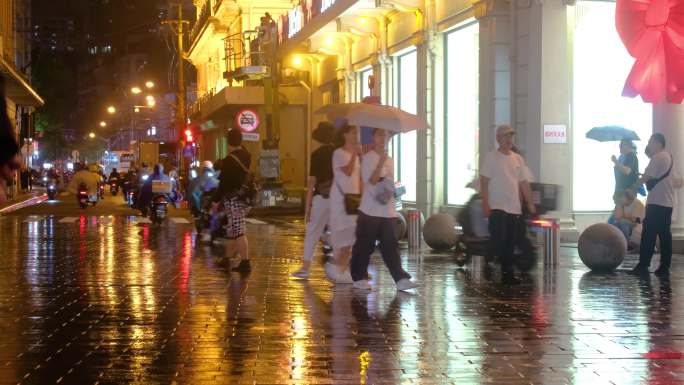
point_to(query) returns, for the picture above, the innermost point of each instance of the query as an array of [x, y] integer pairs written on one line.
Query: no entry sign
[[247, 120]]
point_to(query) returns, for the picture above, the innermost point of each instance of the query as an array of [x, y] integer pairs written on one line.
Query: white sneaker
[[362, 285], [406, 284], [301, 273], [330, 271], [344, 278]]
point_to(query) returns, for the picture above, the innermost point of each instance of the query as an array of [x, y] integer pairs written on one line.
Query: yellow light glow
[[151, 102], [137, 109], [149, 84], [91, 135], [363, 20], [103, 124], [136, 90], [149, 97], [297, 60], [329, 41], [111, 109]]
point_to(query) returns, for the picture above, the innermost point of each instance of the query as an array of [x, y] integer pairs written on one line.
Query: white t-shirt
[[348, 184], [370, 205], [663, 193], [505, 172]]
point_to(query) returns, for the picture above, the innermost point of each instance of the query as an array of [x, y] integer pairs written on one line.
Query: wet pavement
[[88, 298]]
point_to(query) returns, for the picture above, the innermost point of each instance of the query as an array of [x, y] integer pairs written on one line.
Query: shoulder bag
[[352, 202], [650, 184], [249, 190]]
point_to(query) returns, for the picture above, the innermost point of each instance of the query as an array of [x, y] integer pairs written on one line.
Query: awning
[[17, 88]]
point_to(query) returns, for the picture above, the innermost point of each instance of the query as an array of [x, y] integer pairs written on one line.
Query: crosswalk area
[[103, 220]]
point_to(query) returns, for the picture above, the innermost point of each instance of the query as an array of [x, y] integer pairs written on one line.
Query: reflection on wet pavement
[[106, 300]]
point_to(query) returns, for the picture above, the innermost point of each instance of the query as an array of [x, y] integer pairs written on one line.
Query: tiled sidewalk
[[109, 301]]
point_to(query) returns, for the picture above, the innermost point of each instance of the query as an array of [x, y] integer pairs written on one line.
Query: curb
[[25, 203]]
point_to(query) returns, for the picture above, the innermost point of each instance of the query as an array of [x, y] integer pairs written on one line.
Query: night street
[[102, 299]]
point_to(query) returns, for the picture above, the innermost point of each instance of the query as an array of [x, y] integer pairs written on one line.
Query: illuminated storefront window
[[461, 70], [363, 89], [600, 66], [404, 147]]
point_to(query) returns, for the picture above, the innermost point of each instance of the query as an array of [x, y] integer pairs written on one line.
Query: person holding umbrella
[[376, 217], [626, 166]]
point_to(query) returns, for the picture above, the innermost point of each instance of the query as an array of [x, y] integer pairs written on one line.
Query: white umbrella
[[374, 115]]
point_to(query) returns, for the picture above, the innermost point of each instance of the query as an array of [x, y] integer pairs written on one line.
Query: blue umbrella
[[611, 134]]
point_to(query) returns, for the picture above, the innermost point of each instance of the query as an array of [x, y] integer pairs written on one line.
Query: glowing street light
[[91, 135], [151, 102], [149, 84], [297, 60], [136, 90], [111, 109], [103, 124], [137, 109]]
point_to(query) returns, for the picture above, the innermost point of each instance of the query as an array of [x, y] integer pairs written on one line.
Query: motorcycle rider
[[146, 194], [206, 181], [114, 175], [85, 177]]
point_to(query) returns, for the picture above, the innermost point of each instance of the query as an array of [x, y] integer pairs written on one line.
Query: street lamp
[[91, 135], [149, 84], [111, 109], [103, 124], [151, 102], [136, 90]]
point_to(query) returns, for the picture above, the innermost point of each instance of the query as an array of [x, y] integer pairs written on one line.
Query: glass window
[[600, 66], [404, 147], [462, 108], [363, 88]]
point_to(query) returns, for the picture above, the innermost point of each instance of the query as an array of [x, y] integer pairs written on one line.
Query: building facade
[[552, 69], [15, 50]]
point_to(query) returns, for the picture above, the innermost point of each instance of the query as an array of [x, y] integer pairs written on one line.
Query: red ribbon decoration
[[653, 32]]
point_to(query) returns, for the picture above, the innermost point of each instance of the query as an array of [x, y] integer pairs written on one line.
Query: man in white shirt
[[503, 177], [659, 203], [376, 217]]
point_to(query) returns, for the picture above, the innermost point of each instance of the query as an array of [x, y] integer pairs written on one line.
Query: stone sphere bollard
[[439, 232], [602, 247]]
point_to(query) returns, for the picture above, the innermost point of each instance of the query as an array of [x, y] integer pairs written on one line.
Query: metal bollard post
[[551, 239], [549, 228], [415, 235]]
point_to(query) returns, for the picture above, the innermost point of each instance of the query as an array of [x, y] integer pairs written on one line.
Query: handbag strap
[[669, 170], [242, 165]]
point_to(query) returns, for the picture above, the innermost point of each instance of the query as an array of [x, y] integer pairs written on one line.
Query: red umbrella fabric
[[653, 32]]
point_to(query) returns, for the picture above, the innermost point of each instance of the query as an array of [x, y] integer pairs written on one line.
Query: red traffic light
[[189, 137]]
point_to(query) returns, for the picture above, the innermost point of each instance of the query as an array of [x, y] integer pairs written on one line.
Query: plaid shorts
[[236, 212]]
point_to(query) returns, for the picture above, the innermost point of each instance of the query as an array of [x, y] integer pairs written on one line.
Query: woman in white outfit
[[346, 180]]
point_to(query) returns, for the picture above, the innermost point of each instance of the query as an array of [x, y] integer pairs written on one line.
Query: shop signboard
[[326, 4], [295, 19], [247, 120], [555, 134]]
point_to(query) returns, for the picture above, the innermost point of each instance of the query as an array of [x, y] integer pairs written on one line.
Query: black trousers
[[503, 230], [369, 230], [656, 224]]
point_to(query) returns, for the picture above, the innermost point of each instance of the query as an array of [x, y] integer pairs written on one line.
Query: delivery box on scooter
[[162, 187]]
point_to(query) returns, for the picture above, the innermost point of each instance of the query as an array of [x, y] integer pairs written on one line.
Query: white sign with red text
[[555, 134]]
